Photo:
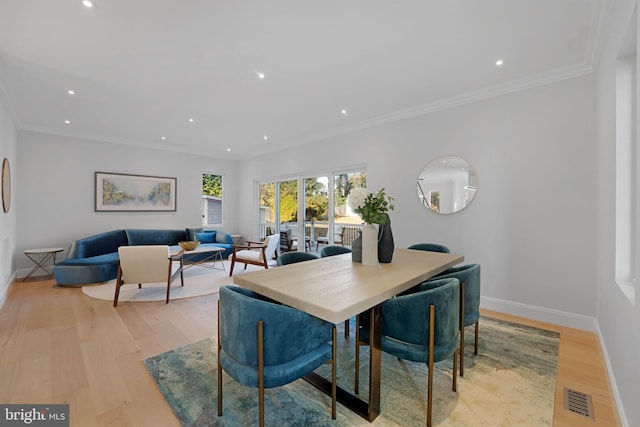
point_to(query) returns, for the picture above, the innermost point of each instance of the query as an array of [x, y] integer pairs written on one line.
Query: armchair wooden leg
[[233, 263], [454, 387]]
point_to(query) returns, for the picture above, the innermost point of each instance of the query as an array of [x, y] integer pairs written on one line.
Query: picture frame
[[117, 192]]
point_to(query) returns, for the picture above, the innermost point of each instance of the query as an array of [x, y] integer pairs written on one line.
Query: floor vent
[[578, 403]]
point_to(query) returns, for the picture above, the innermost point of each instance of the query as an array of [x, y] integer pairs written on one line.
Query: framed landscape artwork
[[117, 192]]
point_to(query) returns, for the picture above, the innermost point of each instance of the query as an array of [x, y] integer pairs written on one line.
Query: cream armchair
[[255, 253], [147, 264]]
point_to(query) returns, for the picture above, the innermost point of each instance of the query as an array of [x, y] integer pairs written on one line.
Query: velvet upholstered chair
[[255, 253], [431, 247], [264, 344], [293, 257], [334, 250], [422, 326], [469, 277], [148, 264]]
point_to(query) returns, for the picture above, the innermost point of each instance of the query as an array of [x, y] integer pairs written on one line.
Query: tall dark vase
[[385, 242], [356, 248]]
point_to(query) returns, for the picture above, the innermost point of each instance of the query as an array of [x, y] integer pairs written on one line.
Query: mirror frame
[[453, 172]]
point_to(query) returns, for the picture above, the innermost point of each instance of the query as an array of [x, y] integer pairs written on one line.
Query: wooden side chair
[[255, 253], [148, 264]]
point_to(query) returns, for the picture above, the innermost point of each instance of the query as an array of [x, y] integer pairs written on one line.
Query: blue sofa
[[94, 259]]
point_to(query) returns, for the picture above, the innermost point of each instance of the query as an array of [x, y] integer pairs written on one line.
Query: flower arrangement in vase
[[373, 208]]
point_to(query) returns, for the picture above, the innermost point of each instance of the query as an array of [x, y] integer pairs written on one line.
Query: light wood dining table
[[335, 289]]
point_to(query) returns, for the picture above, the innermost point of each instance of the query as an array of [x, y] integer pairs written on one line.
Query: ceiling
[[140, 69]]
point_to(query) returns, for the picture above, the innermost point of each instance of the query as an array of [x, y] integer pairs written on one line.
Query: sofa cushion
[[155, 237], [191, 233], [222, 237], [206, 237]]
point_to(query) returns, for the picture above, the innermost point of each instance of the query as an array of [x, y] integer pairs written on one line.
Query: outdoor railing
[[315, 229]]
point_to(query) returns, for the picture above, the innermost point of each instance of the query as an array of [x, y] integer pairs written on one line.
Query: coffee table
[[213, 254]]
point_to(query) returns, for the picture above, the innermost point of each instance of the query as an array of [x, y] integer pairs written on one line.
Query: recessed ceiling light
[[191, 120], [499, 62], [163, 138], [87, 3], [71, 92], [67, 121], [265, 137], [228, 149], [261, 76], [344, 112]]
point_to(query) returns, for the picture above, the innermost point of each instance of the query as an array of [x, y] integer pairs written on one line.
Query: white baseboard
[[570, 320]]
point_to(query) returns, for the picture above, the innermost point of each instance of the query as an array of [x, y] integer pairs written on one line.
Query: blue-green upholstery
[[431, 247], [295, 256], [334, 250], [469, 277], [405, 321], [295, 343], [406, 328], [94, 259]]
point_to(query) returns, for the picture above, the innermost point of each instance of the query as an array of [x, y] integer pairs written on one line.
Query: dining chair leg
[[219, 367], [432, 310], [454, 387], [346, 328], [476, 343], [462, 329], [260, 374], [356, 387]]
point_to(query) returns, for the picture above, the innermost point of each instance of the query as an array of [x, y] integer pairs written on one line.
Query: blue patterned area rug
[[511, 382]]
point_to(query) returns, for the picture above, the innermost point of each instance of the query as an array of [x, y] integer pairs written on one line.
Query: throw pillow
[[191, 233], [206, 237], [224, 238]]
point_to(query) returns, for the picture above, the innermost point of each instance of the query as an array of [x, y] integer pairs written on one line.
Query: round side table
[[40, 256]]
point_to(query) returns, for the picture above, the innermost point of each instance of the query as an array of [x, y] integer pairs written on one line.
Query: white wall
[[8, 144], [56, 198], [618, 319], [532, 224]]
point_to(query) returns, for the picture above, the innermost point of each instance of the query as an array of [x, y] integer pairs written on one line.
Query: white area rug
[[198, 281]]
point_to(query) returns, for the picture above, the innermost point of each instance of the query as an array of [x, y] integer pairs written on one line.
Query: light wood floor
[[59, 346]]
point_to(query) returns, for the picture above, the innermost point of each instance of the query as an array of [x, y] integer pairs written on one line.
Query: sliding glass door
[[313, 207]]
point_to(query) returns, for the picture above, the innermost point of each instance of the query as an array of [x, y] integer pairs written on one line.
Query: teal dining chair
[[422, 326], [264, 344], [334, 250], [469, 277], [431, 247], [293, 257]]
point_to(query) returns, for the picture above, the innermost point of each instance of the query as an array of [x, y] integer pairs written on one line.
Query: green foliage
[[288, 208], [375, 207], [317, 207], [212, 185]]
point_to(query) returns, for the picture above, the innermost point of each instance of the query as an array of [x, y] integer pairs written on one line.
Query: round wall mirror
[[6, 185], [447, 185]]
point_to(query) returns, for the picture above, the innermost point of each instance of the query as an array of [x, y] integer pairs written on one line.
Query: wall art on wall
[[6, 185], [117, 192]]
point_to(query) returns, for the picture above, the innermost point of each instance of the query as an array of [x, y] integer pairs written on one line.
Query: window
[[212, 189], [627, 230]]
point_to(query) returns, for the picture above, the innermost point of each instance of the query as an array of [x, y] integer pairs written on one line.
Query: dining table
[[336, 288]]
